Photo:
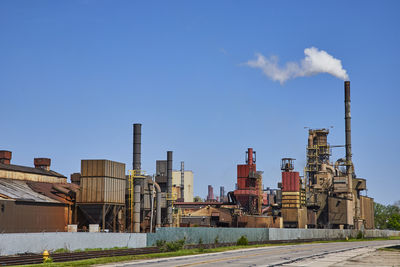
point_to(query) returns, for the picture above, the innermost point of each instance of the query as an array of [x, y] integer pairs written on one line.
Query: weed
[[360, 235], [48, 260], [242, 241], [61, 250], [165, 246]]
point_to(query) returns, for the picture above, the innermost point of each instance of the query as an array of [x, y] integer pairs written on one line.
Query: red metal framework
[[249, 191]]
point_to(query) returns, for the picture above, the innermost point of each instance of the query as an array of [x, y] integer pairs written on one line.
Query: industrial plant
[[105, 195]]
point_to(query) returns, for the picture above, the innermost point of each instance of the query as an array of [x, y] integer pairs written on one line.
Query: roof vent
[[42, 163], [5, 156]]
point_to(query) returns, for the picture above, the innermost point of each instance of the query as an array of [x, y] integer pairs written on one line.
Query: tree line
[[387, 217]]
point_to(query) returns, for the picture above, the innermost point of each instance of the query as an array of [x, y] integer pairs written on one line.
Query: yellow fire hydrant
[[45, 255]]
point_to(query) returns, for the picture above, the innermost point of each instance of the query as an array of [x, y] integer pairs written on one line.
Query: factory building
[[187, 185], [34, 199], [330, 195]]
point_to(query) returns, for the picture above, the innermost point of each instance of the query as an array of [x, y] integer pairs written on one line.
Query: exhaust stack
[[136, 165], [137, 149], [182, 181], [347, 117], [169, 188]]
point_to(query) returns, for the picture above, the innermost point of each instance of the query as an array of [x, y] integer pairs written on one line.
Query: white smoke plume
[[315, 62]]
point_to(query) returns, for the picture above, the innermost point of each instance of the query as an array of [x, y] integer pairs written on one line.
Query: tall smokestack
[[348, 123], [182, 181], [169, 187], [137, 143]]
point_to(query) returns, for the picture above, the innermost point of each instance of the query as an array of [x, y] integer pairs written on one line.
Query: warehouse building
[[33, 199]]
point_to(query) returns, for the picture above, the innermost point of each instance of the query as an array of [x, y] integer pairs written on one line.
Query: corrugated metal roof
[[18, 168], [51, 190], [19, 190]]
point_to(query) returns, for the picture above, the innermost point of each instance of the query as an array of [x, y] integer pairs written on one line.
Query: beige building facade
[[188, 184]]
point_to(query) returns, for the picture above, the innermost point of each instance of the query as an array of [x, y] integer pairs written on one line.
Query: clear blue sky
[[75, 75]]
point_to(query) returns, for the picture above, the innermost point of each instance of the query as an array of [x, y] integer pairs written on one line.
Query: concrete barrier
[[293, 234], [207, 235], [229, 235], [17, 243], [11, 244]]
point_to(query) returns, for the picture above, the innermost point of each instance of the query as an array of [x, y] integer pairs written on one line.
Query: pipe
[[152, 204], [249, 156], [136, 209], [158, 203], [182, 181], [325, 168], [137, 143], [347, 117], [311, 136], [169, 188], [310, 140], [61, 189]]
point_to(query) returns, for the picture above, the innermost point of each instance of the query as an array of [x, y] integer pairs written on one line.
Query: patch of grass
[[64, 250], [393, 248], [61, 250]]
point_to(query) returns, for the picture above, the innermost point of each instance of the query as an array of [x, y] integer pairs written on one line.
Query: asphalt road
[[290, 255]]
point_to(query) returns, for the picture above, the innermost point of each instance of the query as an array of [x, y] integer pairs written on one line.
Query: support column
[[104, 218], [136, 209]]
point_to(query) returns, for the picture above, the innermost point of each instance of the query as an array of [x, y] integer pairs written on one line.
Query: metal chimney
[[169, 188], [137, 143], [182, 181], [5, 157], [348, 124]]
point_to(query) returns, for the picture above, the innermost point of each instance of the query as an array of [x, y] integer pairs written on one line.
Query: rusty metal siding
[[290, 182], [17, 217], [102, 190], [367, 211], [102, 168], [243, 171], [102, 181], [25, 176]]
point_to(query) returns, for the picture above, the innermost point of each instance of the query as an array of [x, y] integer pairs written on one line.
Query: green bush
[[242, 241], [165, 246], [216, 240], [201, 246], [160, 243], [360, 235]]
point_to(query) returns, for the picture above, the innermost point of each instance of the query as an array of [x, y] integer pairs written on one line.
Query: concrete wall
[[381, 233], [37, 242], [228, 235], [208, 235], [293, 234]]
